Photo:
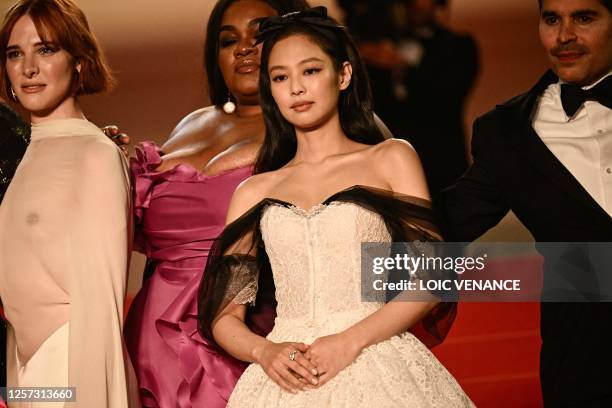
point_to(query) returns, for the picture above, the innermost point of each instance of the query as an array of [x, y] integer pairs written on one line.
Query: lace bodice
[[315, 257]]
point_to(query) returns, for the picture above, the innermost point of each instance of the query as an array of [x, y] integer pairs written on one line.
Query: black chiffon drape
[[238, 259]]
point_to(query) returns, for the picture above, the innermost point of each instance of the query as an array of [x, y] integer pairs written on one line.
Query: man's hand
[[120, 139]]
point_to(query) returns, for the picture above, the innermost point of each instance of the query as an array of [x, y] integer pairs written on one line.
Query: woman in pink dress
[[182, 193]]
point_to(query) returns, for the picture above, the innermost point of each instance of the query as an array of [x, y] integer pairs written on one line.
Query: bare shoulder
[[394, 155], [195, 122], [250, 193], [399, 164], [395, 149]]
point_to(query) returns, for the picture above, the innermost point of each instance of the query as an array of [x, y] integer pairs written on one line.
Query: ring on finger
[[292, 355]]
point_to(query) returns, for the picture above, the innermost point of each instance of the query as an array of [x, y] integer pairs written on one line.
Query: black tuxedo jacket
[[514, 170]]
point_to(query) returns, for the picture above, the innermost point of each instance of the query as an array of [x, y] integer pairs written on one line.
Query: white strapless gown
[[318, 293]]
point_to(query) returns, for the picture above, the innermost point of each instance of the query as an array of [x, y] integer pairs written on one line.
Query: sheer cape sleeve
[[100, 368], [247, 277]]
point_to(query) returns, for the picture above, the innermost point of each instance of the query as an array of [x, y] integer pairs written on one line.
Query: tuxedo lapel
[[518, 119]]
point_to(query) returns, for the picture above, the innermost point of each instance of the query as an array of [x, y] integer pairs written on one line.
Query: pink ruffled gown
[[179, 212]]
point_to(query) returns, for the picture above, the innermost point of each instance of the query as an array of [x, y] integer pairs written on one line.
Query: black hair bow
[[315, 16]]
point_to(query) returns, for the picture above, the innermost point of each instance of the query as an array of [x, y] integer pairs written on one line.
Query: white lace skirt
[[399, 372]]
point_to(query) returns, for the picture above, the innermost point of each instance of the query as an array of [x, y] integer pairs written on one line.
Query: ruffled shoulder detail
[[144, 171], [143, 168], [146, 175], [148, 157]]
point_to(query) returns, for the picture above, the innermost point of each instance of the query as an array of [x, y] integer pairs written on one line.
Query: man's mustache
[[574, 48]]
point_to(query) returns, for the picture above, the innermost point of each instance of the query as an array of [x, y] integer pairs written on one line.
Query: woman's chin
[[246, 86]]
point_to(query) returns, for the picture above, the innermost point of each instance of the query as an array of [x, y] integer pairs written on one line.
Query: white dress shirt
[[583, 143]]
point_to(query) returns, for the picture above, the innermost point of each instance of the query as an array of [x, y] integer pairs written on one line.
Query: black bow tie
[[573, 96]]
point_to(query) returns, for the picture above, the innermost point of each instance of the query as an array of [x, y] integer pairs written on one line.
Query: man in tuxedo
[[547, 156]]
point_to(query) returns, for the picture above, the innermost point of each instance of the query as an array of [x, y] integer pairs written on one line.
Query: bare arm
[[234, 336]]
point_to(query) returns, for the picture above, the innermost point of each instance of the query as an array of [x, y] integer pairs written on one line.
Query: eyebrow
[[253, 22], [305, 61], [585, 12], [577, 13], [16, 47]]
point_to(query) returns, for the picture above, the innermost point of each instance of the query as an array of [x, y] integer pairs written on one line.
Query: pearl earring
[[229, 107]]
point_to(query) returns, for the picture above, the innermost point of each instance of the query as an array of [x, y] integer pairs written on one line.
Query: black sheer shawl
[[246, 277]]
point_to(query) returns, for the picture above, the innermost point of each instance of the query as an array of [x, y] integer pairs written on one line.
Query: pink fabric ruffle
[[179, 212]]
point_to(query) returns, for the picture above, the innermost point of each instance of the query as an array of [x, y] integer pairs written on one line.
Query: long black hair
[[217, 88], [354, 103]]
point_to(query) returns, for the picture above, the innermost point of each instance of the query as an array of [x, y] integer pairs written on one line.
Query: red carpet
[[493, 351], [493, 348]]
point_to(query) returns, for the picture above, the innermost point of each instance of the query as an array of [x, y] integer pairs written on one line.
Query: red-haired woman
[[64, 243]]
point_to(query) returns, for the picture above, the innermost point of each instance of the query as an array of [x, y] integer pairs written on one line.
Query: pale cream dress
[[65, 233], [315, 258]]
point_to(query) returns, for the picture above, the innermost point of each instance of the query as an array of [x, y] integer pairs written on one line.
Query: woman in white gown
[[64, 221], [325, 182]]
